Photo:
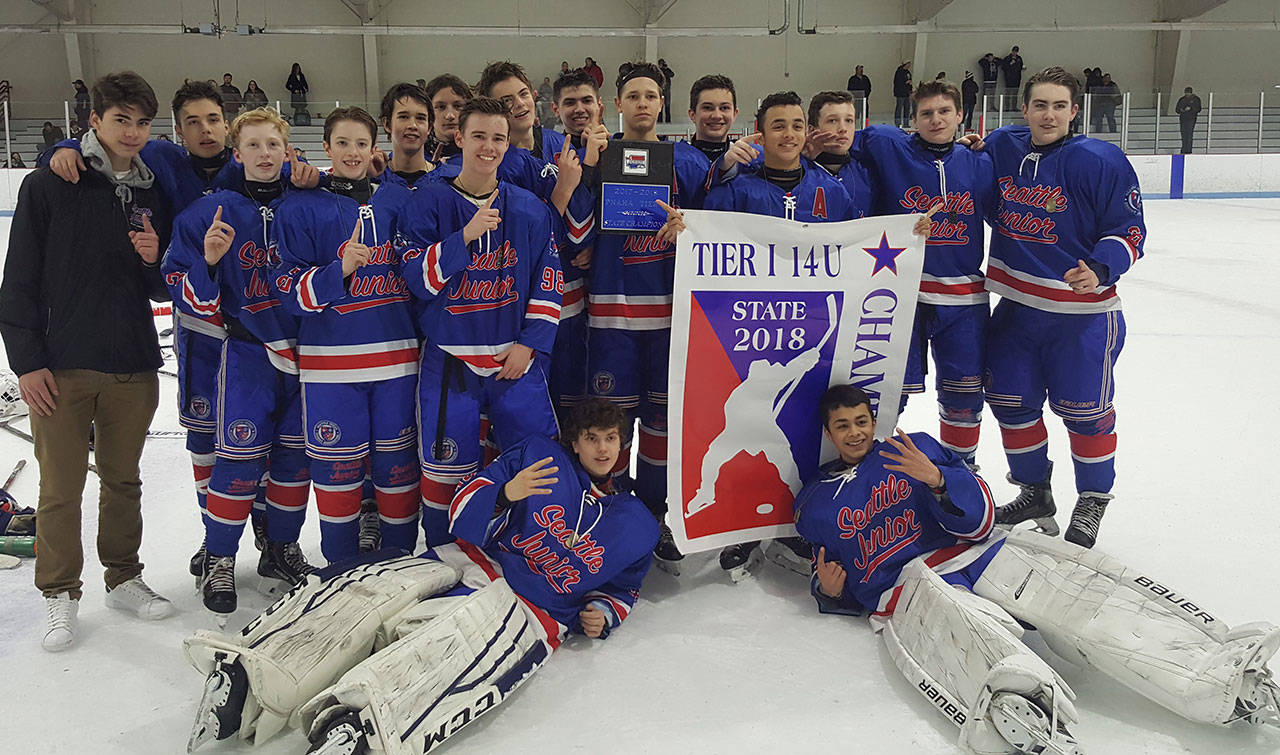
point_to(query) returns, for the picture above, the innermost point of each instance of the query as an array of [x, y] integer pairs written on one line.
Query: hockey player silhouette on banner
[[745, 433]]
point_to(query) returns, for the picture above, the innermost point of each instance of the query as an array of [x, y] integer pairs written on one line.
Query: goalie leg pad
[[306, 640], [1095, 611], [958, 649], [440, 677]]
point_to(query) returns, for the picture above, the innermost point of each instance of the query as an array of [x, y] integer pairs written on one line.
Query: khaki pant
[[120, 408]]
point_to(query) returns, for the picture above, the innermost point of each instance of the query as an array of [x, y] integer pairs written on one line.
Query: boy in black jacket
[[83, 261]]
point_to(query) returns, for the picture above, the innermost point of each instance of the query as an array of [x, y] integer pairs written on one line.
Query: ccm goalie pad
[[456, 658], [964, 655], [257, 680], [1095, 611]]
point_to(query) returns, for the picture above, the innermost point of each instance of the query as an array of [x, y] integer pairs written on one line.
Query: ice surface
[[705, 666]]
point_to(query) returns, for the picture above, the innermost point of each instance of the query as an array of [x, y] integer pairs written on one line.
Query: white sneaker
[[134, 596], [62, 609]]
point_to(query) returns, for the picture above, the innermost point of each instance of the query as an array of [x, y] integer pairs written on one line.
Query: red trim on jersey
[[370, 303], [307, 296], [871, 567], [616, 309], [462, 309], [1044, 292], [653, 447], [957, 289], [440, 493], [338, 503], [261, 305], [892, 604], [958, 436], [432, 267], [230, 509], [463, 496], [548, 309], [357, 361]]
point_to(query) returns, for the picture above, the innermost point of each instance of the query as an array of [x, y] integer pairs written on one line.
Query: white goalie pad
[[1095, 611], [451, 667], [310, 637], [957, 650]]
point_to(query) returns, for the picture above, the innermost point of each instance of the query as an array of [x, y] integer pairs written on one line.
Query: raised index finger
[[755, 138], [217, 215], [935, 208], [358, 231], [489, 202], [670, 210]]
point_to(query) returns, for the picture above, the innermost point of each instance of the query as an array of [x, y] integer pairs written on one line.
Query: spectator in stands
[[51, 135], [564, 68], [76, 131], [1012, 66], [83, 104], [297, 86], [1188, 108], [902, 95], [231, 98], [860, 87], [253, 96], [969, 96], [422, 83], [990, 68], [164, 138], [667, 74], [594, 71], [1105, 98], [546, 95], [1092, 79], [15, 160]]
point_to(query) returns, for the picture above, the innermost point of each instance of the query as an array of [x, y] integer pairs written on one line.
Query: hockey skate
[[666, 554], [259, 524], [282, 566], [218, 588], [219, 712], [740, 558], [343, 735], [197, 563], [370, 528], [1028, 728], [1034, 502], [792, 554], [1258, 701], [1086, 518]]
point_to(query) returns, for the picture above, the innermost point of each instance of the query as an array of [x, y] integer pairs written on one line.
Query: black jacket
[[1188, 107], [902, 82], [860, 84], [990, 68], [969, 90], [1012, 67], [74, 293]]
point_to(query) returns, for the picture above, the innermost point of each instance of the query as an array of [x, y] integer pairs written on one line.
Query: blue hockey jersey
[[240, 286], [1076, 200], [354, 329], [573, 548], [874, 521], [818, 198], [500, 289], [911, 179], [632, 276]]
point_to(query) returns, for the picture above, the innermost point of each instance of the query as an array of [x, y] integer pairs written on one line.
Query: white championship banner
[[768, 313]]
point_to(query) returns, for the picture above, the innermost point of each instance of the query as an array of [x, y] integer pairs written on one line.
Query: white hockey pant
[[315, 633], [454, 659], [1095, 611], [959, 650]]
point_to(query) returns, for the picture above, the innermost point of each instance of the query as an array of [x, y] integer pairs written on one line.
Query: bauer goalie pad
[[315, 633], [960, 651], [1093, 610], [440, 677]]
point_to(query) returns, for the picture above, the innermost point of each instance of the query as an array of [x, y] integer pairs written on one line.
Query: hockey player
[[784, 186], [259, 417], [545, 549], [629, 303], [406, 117], [833, 122], [507, 82], [201, 165], [915, 173], [577, 104], [1069, 224], [357, 345], [484, 262], [902, 528], [713, 108], [447, 94]]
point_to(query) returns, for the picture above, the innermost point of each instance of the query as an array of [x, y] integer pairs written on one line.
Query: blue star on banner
[[886, 256]]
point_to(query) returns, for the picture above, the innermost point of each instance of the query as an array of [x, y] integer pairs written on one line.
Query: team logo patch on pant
[[242, 432], [326, 433], [604, 382], [445, 450], [200, 406]]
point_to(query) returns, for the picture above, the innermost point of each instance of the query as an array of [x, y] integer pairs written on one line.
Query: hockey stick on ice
[[14, 474]]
